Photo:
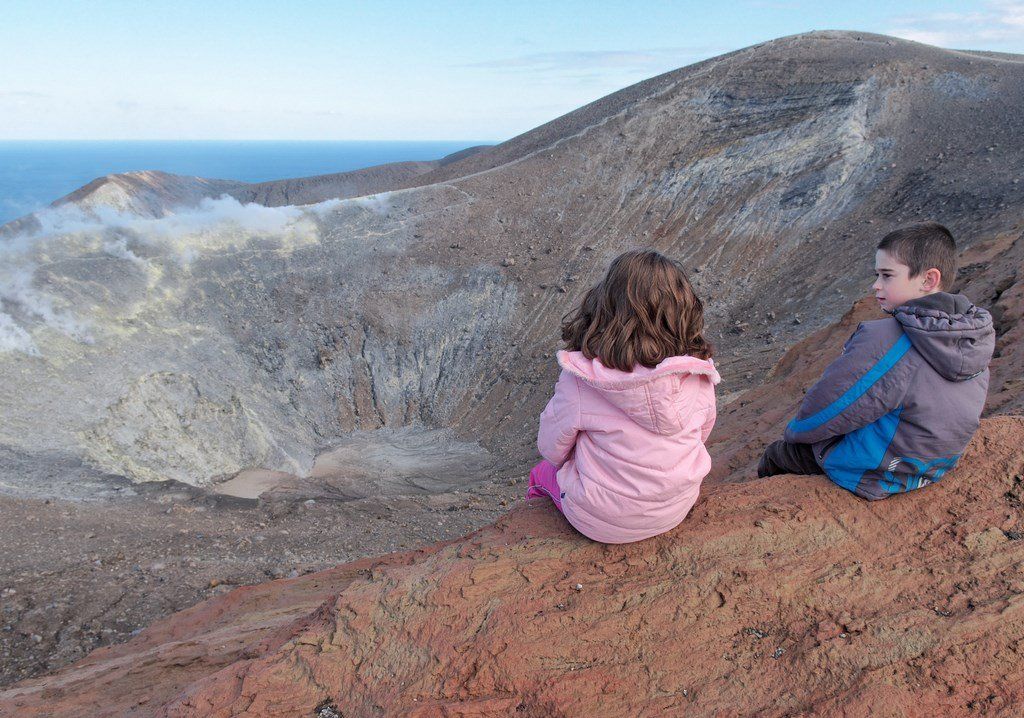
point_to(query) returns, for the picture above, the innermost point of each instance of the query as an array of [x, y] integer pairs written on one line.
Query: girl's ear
[[932, 280]]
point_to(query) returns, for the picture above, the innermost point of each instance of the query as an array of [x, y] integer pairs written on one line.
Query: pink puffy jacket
[[629, 445]]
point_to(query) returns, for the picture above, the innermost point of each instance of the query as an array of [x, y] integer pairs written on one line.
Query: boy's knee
[[767, 467]]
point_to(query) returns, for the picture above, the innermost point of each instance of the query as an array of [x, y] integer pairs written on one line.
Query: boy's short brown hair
[[922, 246]]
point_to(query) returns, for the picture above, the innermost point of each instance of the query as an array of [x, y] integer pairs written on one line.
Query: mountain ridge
[[420, 323]]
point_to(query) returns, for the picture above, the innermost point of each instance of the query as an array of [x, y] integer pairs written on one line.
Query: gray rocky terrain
[[229, 336], [320, 332]]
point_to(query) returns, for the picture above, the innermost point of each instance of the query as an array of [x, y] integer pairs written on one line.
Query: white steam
[[209, 217], [379, 203], [182, 237], [19, 260]]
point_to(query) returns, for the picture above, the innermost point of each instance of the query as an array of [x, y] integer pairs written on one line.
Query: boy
[[894, 412]]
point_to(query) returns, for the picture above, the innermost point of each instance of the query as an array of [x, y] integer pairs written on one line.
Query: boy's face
[[893, 284]]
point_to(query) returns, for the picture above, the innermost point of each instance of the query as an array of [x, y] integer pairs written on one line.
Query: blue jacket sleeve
[[862, 385]]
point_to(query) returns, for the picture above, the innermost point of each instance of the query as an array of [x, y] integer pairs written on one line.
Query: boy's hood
[[638, 393], [952, 334]]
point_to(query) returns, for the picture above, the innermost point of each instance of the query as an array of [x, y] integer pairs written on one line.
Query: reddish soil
[[781, 596]]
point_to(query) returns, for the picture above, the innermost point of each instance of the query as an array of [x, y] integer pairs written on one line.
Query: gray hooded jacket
[[896, 410]]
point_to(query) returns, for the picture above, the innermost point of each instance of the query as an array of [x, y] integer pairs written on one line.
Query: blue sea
[[34, 173]]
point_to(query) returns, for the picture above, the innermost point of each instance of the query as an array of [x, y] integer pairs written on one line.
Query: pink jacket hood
[[642, 393]]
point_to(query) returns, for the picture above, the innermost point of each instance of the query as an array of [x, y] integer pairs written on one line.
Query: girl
[[623, 436]]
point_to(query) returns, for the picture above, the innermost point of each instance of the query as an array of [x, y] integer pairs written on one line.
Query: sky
[[439, 70]]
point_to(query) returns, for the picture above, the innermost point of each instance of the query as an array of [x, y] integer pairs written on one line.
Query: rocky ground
[[784, 596], [77, 575]]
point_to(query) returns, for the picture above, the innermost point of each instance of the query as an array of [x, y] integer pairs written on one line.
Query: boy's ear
[[932, 280]]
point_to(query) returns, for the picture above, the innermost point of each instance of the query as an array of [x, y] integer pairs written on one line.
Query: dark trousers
[[784, 458]]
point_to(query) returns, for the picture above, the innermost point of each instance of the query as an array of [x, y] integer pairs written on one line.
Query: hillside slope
[[780, 596]]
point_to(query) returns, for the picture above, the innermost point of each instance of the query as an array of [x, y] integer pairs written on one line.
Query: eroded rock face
[[777, 596], [258, 337], [992, 273], [771, 172], [165, 428]]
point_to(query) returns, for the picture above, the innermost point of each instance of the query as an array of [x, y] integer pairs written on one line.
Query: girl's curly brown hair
[[642, 312]]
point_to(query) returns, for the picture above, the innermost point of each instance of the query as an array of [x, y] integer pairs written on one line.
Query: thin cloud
[[596, 60], [23, 95], [1001, 21], [772, 5]]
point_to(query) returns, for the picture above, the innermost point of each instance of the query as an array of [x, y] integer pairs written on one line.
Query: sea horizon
[[34, 173]]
